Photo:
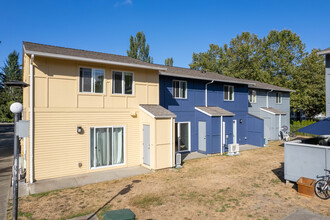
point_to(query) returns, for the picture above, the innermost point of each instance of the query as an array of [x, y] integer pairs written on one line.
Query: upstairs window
[[91, 80], [179, 89], [278, 98], [252, 96], [228, 93], [122, 83]]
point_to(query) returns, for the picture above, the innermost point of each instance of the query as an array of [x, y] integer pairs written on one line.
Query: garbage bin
[[121, 214]]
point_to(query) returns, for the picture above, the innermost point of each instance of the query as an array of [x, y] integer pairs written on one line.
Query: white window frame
[[279, 95], [92, 81], [122, 83], [124, 145], [189, 132], [253, 96], [230, 100], [185, 92]]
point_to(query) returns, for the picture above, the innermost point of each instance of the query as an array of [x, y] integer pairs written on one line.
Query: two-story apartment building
[[272, 104], [326, 52], [92, 111], [211, 110]]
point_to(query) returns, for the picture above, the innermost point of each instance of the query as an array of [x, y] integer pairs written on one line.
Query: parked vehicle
[[322, 186]]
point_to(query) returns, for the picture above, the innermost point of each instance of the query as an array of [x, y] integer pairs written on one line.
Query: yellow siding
[[163, 143], [60, 108]]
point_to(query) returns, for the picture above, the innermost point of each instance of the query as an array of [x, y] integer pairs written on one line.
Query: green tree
[[283, 52], [10, 72], [169, 61], [309, 83], [138, 48]]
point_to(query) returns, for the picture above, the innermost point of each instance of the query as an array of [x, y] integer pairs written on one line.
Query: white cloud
[[123, 2]]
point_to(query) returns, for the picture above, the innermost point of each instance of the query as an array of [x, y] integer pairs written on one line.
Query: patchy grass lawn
[[248, 186]]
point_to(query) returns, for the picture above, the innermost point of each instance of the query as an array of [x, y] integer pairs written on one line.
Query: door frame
[[189, 133], [199, 136], [89, 152], [143, 144], [235, 131]]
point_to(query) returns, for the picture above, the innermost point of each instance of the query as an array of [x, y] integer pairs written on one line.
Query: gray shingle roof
[[157, 111], [84, 55], [325, 51], [273, 111], [266, 86], [214, 111]]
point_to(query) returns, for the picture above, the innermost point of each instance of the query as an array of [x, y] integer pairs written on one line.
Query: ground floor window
[[182, 136], [106, 146]]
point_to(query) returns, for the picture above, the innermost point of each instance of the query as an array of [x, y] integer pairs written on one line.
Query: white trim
[[206, 91], [186, 91], [67, 57], [235, 131], [221, 135], [92, 81], [31, 119], [122, 83], [268, 111], [203, 112], [89, 154], [230, 100], [189, 132], [279, 123], [171, 141], [153, 116], [203, 78]]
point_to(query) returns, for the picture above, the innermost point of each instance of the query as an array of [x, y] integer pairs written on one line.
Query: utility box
[[22, 128], [121, 214]]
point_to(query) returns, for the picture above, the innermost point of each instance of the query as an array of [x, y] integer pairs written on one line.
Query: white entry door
[[234, 131], [202, 135]]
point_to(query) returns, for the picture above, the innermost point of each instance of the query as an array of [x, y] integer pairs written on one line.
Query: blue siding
[[185, 110], [255, 131]]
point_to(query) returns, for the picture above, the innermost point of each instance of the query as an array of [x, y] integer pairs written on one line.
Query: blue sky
[[172, 28]]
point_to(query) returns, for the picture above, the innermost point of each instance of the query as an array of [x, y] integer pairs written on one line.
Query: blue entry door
[[146, 144], [202, 135]]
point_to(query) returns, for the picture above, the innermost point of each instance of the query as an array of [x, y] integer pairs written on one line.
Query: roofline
[[284, 90], [201, 78], [152, 115], [323, 52], [59, 56], [273, 113], [224, 115]]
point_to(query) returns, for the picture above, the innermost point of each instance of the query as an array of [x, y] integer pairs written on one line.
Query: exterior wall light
[[240, 121], [80, 130]]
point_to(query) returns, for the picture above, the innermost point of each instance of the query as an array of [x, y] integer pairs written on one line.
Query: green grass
[[27, 215]]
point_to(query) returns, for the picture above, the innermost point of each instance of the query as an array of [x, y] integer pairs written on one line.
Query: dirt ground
[[248, 186]]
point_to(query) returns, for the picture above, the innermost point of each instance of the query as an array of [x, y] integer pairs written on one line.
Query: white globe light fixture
[[16, 107]]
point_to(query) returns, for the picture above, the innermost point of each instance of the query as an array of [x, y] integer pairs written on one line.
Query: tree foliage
[[138, 48], [169, 61], [11, 71], [280, 59]]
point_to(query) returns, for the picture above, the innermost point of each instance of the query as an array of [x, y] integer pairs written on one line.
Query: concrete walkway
[[303, 214], [247, 147], [80, 180], [6, 163]]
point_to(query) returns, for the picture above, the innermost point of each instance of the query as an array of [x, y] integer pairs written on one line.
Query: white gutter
[[206, 92], [267, 98], [221, 135], [31, 118], [171, 142], [67, 57]]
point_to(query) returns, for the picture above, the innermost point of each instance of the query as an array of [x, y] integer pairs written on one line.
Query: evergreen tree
[[138, 48], [169, 61], [10, 72]]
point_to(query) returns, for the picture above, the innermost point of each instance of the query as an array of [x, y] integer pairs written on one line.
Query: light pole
[[17, 109]]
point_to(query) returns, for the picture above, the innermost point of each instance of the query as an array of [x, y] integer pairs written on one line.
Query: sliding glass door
[[106, 146], [182, 136]]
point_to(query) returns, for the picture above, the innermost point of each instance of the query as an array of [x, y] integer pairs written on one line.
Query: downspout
[[31, 118], [267, 98], [221, 135], [171, 141], [279, 123], [206, 91]]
